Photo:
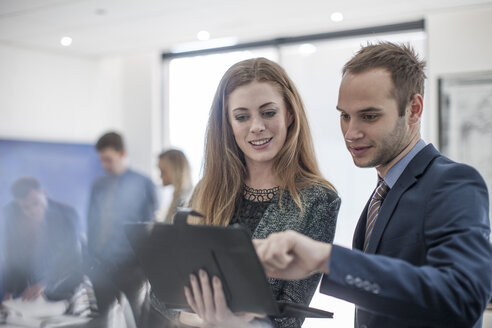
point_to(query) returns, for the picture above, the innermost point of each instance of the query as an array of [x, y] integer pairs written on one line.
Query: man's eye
[[369, 117], [344, 116]]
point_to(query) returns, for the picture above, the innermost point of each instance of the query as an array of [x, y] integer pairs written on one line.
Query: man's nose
[[353, 131]]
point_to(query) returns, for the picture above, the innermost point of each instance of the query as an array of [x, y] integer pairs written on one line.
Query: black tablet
[[168, 253]]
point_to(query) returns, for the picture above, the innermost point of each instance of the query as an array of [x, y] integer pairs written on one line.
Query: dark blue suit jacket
[[429, 262]]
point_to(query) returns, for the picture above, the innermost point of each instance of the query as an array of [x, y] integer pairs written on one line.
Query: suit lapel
[[410, 175]]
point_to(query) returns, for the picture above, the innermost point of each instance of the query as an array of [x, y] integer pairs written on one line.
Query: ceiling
[[109, 27]]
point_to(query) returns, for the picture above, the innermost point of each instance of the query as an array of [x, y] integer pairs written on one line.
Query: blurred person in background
[[175, 171], [121, 196], [40, 245]]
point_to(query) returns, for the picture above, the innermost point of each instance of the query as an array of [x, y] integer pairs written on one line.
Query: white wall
[[458, 42], [55, 97], [136, 79], [45, 96]]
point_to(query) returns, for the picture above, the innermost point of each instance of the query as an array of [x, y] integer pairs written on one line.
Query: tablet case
[[168, 253]]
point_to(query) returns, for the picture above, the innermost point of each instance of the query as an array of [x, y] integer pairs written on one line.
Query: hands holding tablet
[[285, 255], [206, 298], [291, 255]]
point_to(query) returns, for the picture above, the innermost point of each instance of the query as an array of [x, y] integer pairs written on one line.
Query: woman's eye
[[240, 117], [269, 113]]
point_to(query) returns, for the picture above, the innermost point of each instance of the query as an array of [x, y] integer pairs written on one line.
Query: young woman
[[175, 171], [260, 171]]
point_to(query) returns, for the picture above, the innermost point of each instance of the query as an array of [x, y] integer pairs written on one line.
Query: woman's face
[[165, 169], [259, 120]]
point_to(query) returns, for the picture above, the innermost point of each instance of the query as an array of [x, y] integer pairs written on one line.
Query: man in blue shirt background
[[122, 196]]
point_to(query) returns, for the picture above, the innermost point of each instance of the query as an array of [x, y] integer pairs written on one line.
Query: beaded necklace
[[259, 195]]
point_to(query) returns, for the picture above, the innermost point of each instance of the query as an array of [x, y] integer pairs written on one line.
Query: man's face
[[374, 133], [113, 161], [34, 205]]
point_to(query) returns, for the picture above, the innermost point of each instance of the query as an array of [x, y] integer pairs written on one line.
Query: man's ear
[[415, 108]]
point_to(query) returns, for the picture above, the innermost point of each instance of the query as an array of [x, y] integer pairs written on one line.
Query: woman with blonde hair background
[[175, 171], [260, 171]]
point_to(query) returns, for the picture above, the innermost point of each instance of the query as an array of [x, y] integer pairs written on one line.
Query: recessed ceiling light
[[336, 17], [307, 49], [66, 41], [206, 44], [203, 35], [100, 12]]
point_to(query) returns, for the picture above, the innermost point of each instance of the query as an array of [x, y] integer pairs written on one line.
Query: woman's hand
[[210, 305]]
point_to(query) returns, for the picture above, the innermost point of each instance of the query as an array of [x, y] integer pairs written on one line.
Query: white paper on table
[[39, 308], [39, 313]]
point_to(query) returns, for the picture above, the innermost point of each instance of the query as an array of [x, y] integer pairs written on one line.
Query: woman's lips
[[260, 143]]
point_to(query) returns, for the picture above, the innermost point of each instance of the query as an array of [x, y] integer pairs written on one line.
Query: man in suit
[[421, 253], [41, 246]]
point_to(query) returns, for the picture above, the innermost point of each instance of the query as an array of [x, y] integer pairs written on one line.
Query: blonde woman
[[175, 171], [260, 171]]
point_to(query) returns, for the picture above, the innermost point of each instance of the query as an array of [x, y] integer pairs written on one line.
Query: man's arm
[[451, 288], [291, 255]]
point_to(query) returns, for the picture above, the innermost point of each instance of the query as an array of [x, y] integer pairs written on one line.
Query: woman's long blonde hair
[[224, 170], [179, 170]]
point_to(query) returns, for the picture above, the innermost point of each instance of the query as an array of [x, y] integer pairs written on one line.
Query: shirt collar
[[396, 170]]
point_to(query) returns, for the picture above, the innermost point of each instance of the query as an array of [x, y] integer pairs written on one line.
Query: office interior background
[[71, 70]]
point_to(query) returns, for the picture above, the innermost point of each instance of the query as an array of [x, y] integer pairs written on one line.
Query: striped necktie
[[372, 213]]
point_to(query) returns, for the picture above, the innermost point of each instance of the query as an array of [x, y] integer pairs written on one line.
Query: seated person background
[[41, 249]]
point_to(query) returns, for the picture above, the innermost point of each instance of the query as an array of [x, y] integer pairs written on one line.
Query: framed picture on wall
[[465, 120]]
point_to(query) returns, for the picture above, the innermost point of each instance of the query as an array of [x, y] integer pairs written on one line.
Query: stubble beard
[[388, 148]]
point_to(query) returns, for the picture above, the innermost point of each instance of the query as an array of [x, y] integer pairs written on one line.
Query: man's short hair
[[22, 186], [110, 140], [401, 60]]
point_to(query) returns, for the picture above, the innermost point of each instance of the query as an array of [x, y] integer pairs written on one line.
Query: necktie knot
[[381, 190]]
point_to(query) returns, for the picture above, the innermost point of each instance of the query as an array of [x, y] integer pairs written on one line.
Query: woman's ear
[[290, 118]]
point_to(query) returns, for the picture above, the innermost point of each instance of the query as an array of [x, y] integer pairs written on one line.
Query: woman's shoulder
[[318, 191]]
